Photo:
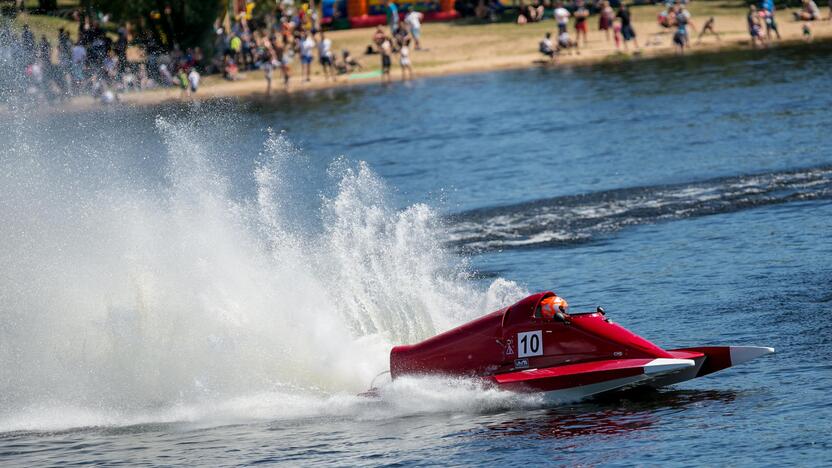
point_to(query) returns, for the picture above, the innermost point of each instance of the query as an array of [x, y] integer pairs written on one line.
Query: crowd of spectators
[[95, 63], [616, 25], [674, 18], [295, 35]]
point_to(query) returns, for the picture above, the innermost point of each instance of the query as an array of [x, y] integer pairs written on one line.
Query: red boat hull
[[571, 357]]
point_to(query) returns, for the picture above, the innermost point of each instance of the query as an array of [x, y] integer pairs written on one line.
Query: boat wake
[[582, 218], [409, 396]]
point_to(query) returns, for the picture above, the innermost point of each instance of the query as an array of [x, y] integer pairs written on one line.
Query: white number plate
[[530, 343]]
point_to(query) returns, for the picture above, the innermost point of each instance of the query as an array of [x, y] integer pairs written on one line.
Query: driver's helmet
[[551, 305]]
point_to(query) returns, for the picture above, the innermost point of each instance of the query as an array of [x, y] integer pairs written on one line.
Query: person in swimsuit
[[807, 32], [754, 28], [667, 18], [404, 60], [809, 12], [283, 58], [680, 37], [350, 63], [767, 10], [708, 28], [268, 65], [605, 18], [581, 15], [386, 50], [627, 31]]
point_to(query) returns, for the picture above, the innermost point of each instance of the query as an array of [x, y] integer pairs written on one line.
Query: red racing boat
[[567, 357]]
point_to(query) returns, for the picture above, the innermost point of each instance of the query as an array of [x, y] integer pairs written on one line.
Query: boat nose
[[740, 354]]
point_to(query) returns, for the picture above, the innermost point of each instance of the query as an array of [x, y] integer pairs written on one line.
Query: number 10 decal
[[530, 343]]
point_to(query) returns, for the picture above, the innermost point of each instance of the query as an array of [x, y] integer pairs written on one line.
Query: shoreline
[[491, 48], [253, 89]]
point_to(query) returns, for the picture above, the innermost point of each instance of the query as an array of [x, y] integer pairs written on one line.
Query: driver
[[551, 305]]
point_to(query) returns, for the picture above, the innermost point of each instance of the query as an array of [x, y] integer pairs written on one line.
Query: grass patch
[[34, 4], [45, 25]]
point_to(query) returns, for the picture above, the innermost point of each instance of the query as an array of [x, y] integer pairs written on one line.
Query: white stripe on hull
[[653, 369]]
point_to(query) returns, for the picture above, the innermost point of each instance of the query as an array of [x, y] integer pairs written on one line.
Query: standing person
[[562, 17], [767, 6], [581, 15], [386, 50], [144, 80], [325, 56], [79, 59], [27, 39], [193, 79], [64, 49], [268, 66], [121, 51], [683, 22], [283, 57], [166, 77], [627, 31], [378, 36], [404, 60], [307, 45], [45, 51], [235, 47], [681, 34], [754, 28], [606, 17], [392, 12], [64, 61], [414, 23], [708, 27], [184, 85], [281, 61], [249, 46]]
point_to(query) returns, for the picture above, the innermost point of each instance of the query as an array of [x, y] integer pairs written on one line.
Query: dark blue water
[[691, 198]]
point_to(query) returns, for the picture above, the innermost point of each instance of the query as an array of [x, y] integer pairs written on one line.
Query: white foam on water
[[126, 304], [407, 396]]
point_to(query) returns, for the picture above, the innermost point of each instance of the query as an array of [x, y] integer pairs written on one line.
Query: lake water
[[183, 286]]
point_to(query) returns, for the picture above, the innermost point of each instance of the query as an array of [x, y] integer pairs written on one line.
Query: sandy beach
[[455, 48]]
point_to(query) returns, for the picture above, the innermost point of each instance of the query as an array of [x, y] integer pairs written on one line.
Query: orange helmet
[[552, 305]]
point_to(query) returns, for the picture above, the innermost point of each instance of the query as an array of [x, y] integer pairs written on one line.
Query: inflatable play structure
[[340, 14]]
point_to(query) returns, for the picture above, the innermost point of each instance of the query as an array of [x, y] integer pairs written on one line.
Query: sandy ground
[[458, 48]]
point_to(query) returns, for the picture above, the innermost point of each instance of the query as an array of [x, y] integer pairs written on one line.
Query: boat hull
[[580, 381]]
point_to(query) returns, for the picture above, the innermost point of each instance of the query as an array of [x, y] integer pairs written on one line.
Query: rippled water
[[179, 286]]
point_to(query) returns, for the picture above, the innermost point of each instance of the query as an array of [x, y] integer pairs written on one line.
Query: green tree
[[186, 23], [47, 6]]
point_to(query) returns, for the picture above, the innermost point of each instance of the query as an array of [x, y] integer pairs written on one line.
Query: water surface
[[180, 286]]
